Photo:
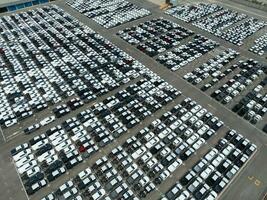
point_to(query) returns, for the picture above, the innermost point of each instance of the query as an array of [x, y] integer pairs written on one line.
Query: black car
[[188, 177], [265, 128], [221, 144], [37, 139], [201, 192], [43, 149], [55, 165], [205, 87], [184, 156], [35, 178], [31, 129], [213, 179], [237, 107]]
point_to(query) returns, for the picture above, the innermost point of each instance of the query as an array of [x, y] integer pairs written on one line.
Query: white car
[[39, 144], [230, 174], [183, 196], [196, 109], [21, 154], [10, 122], [24, 160], [151, 162], [97, 195], [83, 174], [27, 167], [139, 152], [70, 148], [152, 142], [226, 151], [63, 145], [211, 154], [204, 175], [46, 155], [175, 165], [200, 113], [47, 120], [192, 139], [19, 148], [176, 124], [38, 185], [70, 193], [212, 196], [56, 135], [51, 197], [79, 135], [218, 159], [203, 130], [33, 171], [59, 140], [32, 128], [131, 168], [198, 143], [165, 174], [177, 141], [186, 116], [65, 186]]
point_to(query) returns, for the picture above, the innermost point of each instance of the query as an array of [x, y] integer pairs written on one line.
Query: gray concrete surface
[[260, 4], [4, 3], [158, 2]]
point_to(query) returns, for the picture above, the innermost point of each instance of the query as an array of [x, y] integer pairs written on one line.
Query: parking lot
[[135, 123]]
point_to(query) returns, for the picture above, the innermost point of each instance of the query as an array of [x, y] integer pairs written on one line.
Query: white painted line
[[237, 174], [14, 135], [264, 197], [212, 107], [21, 182], [2, 134]]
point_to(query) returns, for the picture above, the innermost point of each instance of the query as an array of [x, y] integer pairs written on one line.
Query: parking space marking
[[23, 187], [13, 135], [241, 170], [2, 134], [212, 107], [255, 180], [265, 196]]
